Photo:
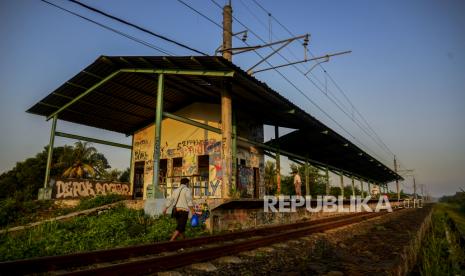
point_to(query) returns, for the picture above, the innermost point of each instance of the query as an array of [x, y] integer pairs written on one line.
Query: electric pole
[[414, 188], [226, 105], [397, 180]]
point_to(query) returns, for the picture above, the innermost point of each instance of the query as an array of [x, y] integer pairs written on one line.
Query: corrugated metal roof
[[127, 103]]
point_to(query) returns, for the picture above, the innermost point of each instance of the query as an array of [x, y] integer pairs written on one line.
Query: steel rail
[[161, 263], [49, 263], [53, 263]]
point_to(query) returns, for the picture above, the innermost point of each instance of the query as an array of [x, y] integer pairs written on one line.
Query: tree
[[116, 175], [317, 182], [82, 161], [23, 181], [124, 177], [26, 177], [270, 177]]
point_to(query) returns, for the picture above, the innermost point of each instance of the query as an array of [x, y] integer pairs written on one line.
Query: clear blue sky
[[406, 74]]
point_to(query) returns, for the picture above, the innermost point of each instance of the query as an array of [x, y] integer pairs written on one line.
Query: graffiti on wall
[[76, 188], [245, 178], [192, 147], [207, 189], [141, 149], [202, 210]]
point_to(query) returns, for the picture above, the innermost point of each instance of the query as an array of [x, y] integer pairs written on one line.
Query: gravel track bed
[[370, 247]]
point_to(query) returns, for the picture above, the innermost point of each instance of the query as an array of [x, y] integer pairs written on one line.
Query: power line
[[376, 139], [199, 13], [161, 50], [292, 84], [137, 27], [332, 80], [301, 92]]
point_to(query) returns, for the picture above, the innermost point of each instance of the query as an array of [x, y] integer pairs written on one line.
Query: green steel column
[[361, 186], [50, 151], [278, 161], [353, 186], [234, 152], [341, 175], [156, 152], [131, 166], [328, 189], [369, 188], [307, 178]]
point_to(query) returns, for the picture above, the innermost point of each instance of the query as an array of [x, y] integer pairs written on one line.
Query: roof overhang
[[119, 94]]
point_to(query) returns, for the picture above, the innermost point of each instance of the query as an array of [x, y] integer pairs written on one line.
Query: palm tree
[[79, 162]]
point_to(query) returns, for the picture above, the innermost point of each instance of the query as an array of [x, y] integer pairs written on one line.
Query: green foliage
[[114, 228], [83, 161], [270, 177], [124, 176], [441, 253], [100, 200], [457, 199], [316, 180], [14, 212], [24, 180]]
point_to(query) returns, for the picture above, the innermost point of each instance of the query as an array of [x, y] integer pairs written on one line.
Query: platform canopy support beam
[[353, 186], [341, 176], [156, 191], [46, 192], [307, 178], [278, 160], [328, 187], [361, 187]]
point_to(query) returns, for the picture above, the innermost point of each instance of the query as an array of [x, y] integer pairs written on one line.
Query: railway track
[[156, 257]]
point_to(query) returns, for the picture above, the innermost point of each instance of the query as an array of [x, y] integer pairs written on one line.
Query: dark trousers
[[181, 220]]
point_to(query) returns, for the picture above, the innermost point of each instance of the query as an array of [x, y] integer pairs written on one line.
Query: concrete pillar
[[226, 107]]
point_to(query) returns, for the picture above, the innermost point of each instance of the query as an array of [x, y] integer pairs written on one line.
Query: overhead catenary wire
[[299, 90], [159, 49], [292, 53], [292, 84], [138, 27], [319, 88], [380, 141], [182, 45], [377, 139]]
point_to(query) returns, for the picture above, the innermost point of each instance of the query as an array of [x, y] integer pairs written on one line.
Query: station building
[[213, 137]]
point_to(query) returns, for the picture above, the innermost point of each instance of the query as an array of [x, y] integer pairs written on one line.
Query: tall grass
[[441, 253], [114, 228]]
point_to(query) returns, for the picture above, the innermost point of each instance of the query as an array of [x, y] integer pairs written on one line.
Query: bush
[[14, 212], [100, 200], [114, 228]]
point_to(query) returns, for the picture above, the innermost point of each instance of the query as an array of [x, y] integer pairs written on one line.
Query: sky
[[405, 75]]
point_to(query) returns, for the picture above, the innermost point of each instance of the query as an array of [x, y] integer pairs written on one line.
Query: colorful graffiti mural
[[73, 188], [202, 210], [179, 140]]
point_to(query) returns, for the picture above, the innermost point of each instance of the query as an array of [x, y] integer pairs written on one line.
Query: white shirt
[[297, 179], [184, 201]]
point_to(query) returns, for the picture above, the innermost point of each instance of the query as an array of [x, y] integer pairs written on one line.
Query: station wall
[[195, 153]]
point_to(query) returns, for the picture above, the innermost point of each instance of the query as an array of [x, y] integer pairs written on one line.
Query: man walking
[[181, 200]]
